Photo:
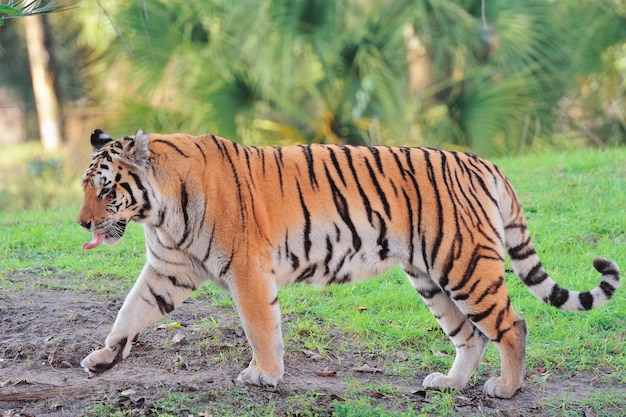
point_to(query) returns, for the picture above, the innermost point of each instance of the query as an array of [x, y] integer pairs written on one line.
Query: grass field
[[575, 204]]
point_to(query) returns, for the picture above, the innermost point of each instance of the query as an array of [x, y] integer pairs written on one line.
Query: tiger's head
[[113, 188]]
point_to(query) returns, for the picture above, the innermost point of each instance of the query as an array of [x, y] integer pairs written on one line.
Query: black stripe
[[500, 319], [476, 257], [329, 255], [201, 151], [409, 162], [491, 290], [246, 152], [558, 296], [333, 159], [342, 208], [184, 203], [536, 275], [242, 210], [235, 146], [129, 190], [465, 295], [175, 282], [586, 300], [333, 278], [411, 227], [208, 250], [379, 190], [295, 261], [307, 273], [457, 330], [379, 162], [308, 154], [396, 158], [218, 144], [482, 315], [261, 153], [226, 267], [366, 202], [165, 307], [607, 289], [522, 251], [605, 267], [307, 223], [278, 157], [171, 145], [147, 206], [430, 172], [429, 292], [382, 238]]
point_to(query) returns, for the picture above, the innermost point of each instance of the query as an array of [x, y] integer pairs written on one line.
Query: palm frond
[[22, 8]]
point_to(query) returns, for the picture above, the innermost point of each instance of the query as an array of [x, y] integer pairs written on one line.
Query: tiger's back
[[253, 219]]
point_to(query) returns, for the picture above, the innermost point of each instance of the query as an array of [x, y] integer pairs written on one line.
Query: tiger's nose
[[86, 224]]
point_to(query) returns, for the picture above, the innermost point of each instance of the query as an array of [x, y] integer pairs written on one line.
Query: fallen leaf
[[360, 308], [178, 337], [128, 393], [174, 325], [312, 355], [66, 364], [420, 392], [326, 373], [367, 369], [438, 353]]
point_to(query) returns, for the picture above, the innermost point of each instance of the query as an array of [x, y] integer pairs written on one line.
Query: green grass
[[575, 204]]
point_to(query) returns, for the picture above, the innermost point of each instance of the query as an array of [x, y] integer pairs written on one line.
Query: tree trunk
[[43, 79]]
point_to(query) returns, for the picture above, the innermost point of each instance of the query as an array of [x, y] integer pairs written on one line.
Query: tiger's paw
[[496, 387], [438, 380], [257, 376], [106, 358]]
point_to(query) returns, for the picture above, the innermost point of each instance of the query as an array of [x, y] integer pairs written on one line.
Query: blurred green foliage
[[427, 72], [531, 75], [424, 72]]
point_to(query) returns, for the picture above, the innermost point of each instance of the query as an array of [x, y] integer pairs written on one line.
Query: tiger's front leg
[[152, 297], [257, 304]]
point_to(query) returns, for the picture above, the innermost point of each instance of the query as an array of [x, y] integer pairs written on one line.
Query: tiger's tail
[[529, 268]]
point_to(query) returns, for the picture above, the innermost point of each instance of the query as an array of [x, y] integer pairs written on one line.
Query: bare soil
[[45, 332]]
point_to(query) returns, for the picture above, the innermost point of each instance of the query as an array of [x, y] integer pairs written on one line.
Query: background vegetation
[[503, 79], [497, 80]]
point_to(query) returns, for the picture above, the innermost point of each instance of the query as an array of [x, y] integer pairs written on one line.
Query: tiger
[[253, 219]]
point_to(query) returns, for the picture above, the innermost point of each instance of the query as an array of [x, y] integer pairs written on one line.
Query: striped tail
[[528, 267]]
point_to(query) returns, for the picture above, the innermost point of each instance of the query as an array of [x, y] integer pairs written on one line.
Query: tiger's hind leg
[[152, 297], [481, 294], [469, 342]]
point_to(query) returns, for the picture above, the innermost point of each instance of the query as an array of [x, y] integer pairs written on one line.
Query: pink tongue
[[97, 239]]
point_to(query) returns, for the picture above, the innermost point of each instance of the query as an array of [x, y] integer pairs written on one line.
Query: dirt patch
[[195, 355]]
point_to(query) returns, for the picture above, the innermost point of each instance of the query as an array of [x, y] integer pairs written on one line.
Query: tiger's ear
[[139, 150], [99, 139]]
